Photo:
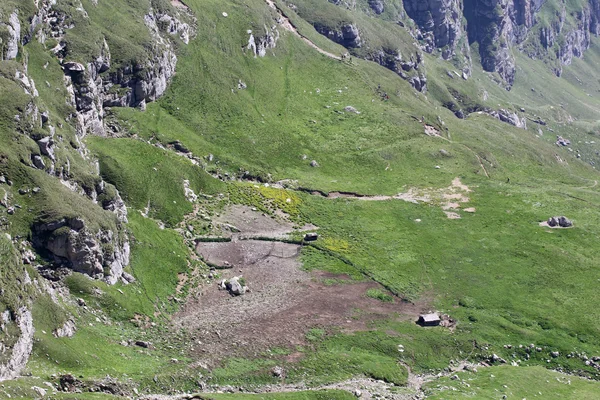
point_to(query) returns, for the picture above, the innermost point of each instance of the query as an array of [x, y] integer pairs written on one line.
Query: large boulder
[[69, 242], [562, 222]]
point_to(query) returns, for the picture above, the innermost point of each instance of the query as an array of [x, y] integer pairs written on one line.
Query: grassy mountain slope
[[505, 279]]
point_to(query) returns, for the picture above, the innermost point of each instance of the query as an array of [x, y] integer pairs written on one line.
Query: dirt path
[[287, 24], [450, 199], [368, 388], [591, 186]]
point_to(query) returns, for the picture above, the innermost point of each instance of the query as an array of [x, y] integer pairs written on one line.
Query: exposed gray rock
[[560, 141], [128, 278], [144, 344], [38, 162], [259, 45], [46, 145], [377, 6], [419, 82], [22, 348], [561, 221], [67, 330], [102, 255], [278, 372], [73, 67], [347, 35], [234, 286], [510, 118], [141, 83], [14, 37], [440, 17], [40, 391], [408, 69]]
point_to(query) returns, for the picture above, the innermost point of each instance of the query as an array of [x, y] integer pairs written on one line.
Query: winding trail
[[369, 388], [287, 24], [591, 186]]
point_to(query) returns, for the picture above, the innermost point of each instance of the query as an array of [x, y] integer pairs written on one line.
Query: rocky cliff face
[[440, 23], [16, 356], [94, 84], [347, 35], [101, 254], [499, 26], [98, 83]]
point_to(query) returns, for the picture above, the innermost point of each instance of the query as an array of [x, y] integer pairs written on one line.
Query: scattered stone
[[555, 354], [278, 372], [41, 392], [561, 221], [81, 302], [454, 377], [67, 330], [68, 383], [351, 109], [357, 393], [38, 162], [560, 141], [234, 286], [128, 277], [314, 164]]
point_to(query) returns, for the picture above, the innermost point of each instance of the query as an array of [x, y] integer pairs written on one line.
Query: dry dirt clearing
[[284, 301], [450, 199]]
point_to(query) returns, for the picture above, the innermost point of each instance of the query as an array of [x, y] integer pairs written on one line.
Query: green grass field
[[506, 280]]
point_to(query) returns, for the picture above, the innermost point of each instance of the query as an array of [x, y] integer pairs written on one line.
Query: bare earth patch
[[284, 301], [450, 199], [243, 222]]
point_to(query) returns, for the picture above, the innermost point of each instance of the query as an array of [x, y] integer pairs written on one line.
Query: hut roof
[[433, 317]]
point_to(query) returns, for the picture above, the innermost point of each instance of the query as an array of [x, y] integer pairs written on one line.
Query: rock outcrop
[[92, 85], [13, 29], [69, 242], [500, 27], [377, 6], [509, 117], [440, 22], [410, 69], [17, 354], [347, 35], [259, 45]]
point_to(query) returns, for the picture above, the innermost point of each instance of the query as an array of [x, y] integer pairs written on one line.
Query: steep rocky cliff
[[441, 26], [544, 30], [98, 82], [553, 31], [112, 73]]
